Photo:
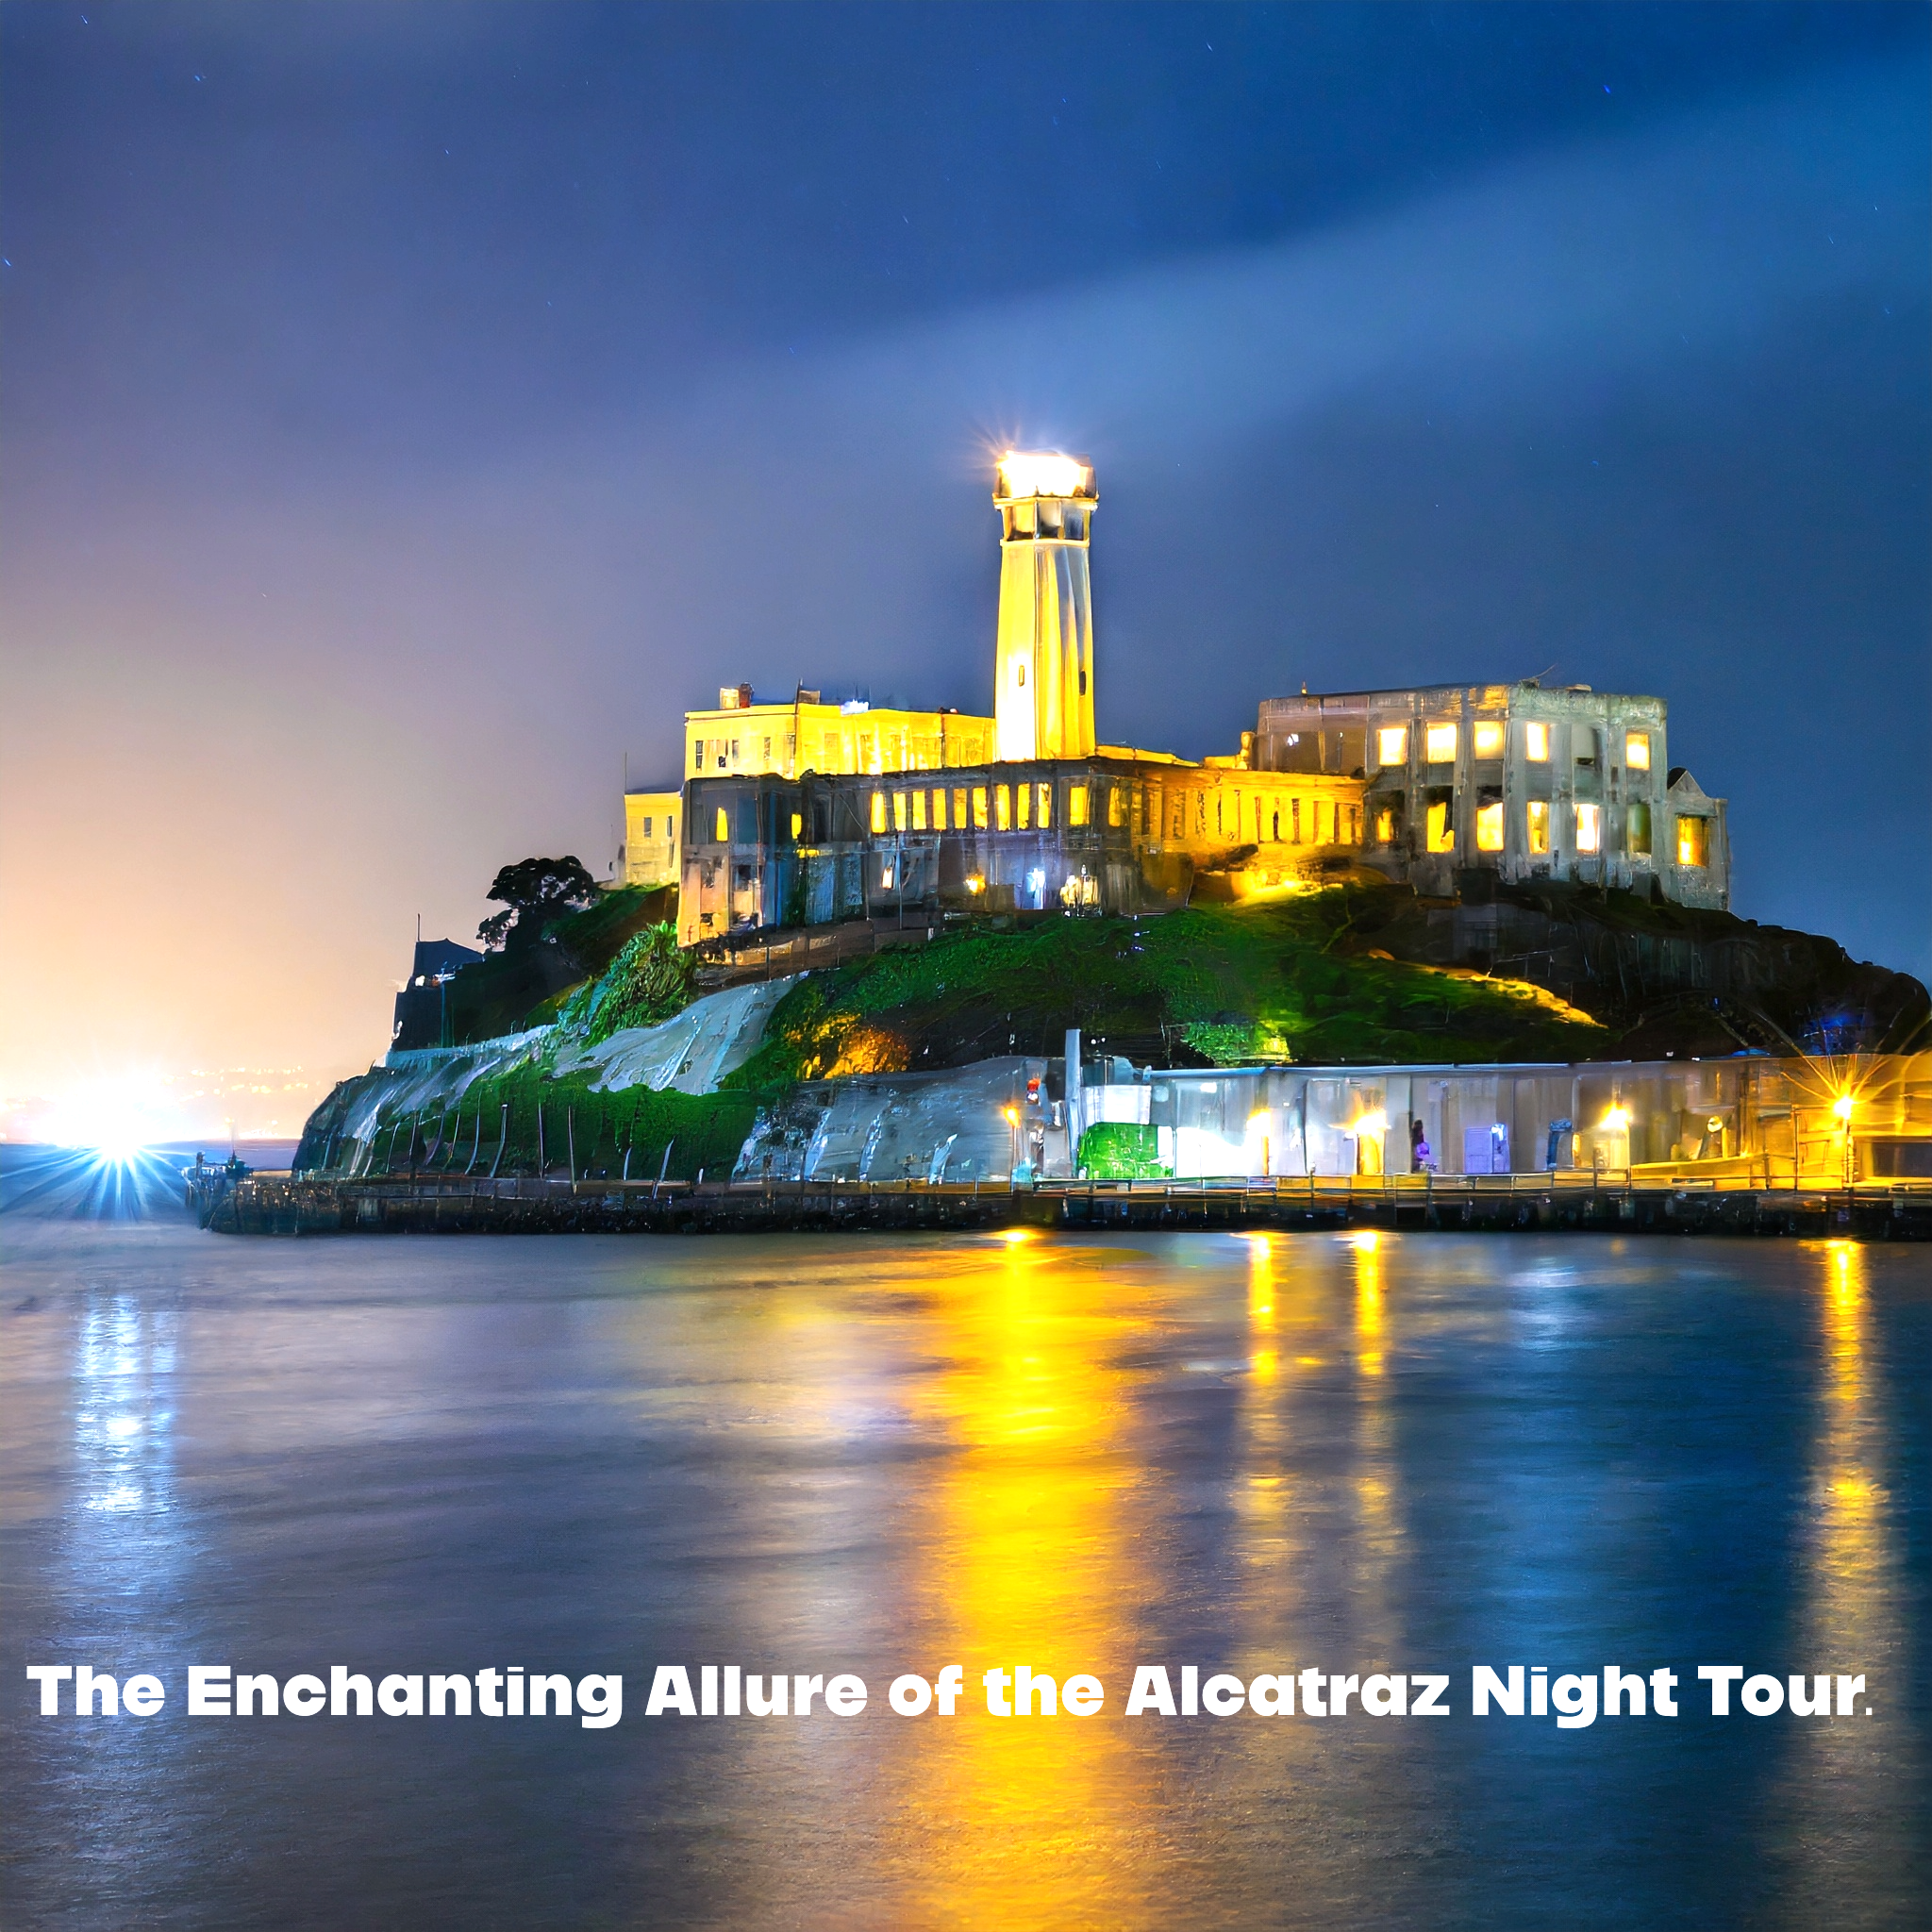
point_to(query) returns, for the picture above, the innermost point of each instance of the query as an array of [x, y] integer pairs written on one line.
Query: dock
[[270, 1204]]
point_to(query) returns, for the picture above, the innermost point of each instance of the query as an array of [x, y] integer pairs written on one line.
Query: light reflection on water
[[1252, 1455]]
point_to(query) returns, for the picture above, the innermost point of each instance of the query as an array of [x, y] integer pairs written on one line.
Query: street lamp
[[1841, 1112]]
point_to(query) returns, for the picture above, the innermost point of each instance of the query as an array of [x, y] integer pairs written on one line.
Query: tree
[[533, 893]]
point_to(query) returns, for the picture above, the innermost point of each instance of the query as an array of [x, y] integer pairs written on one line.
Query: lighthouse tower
[[1044, 670]]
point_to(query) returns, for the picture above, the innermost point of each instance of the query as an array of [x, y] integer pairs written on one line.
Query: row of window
[[1586, 830], [1486, 740]]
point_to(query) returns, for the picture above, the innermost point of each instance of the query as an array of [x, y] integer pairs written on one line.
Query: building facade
[[1096, 835], [1512, 782], [745, 737], [651, 845]]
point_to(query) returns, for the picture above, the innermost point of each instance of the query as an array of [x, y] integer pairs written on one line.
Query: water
[[886, 1454]]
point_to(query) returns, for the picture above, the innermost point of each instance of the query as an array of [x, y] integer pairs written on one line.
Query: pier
[[269, 1203]]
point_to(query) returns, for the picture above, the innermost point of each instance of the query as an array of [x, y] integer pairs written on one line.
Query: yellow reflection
[[1025, 1820], [1368, 1302], [1842, 1781]]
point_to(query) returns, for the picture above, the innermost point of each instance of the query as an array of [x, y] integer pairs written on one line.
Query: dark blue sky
[[409, 410]]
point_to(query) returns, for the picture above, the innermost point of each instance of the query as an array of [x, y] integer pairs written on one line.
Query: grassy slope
[[1211, 985]]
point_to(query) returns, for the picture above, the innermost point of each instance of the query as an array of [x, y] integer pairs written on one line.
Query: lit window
[[1116, 806], [919, 812], [1637, 750], [1392, 744], [1693, 840], [938, 810], [1536, 743], [1294, 808], [1025, 801], [1488, 739], [1002, 809], [959, 809], [1354, 826], [1440, 741], [1589, 829], [797, 825], [1385, 826], [1442, 833], [1046, 807], [878, 812], [724, 826], [1637, 831], [980, 808], [1489, 828], [1076, 805], [1538, 825]]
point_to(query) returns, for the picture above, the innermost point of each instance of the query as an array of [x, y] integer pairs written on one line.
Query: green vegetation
[[1219, 986], [526, 986], [648, 982], [1121, 1151], [704, 1130]]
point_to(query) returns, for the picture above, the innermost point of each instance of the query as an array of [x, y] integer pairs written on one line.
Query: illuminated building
[[746, 737], [651, 849], [804, 813], [1464, 785]]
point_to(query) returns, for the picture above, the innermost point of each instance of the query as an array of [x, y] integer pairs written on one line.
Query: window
[[697, 754], [1045, 807], [1116, 806], [1488, 739], [1442, 832], [959, 809], [1076, 805], [980, 808], [1439, 741], [878, 812], [1584, 742], [1538, 825], [898, 812], [919, 812], [1385, 826], [1002, 809], [1019, 673], [1354, 826], [1536, 743], [768, 754], [1589, 829], [724, 826], [1693, 840], [1489, 828], [938, 809], [1392, 744], [1637, 828], [1637, 750], [797, 825], [1025, 801], [646, 833], [1294, 808]]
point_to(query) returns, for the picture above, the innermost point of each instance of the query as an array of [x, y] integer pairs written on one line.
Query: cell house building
[[1463, 785]]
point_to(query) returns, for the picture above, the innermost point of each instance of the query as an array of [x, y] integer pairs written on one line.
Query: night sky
[[409, 410]]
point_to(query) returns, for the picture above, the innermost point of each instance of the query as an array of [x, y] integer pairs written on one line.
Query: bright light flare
[[1615, 1120], [1369, 1125], [1842, 1105], [114, 1116], [1042, 473]]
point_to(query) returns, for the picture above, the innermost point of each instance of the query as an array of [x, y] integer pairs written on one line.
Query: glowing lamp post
[[1841, 1112]]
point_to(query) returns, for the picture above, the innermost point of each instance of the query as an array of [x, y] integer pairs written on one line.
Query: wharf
[[1538, 1203]]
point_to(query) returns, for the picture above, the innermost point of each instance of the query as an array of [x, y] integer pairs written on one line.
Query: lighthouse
[[1043, 669]]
